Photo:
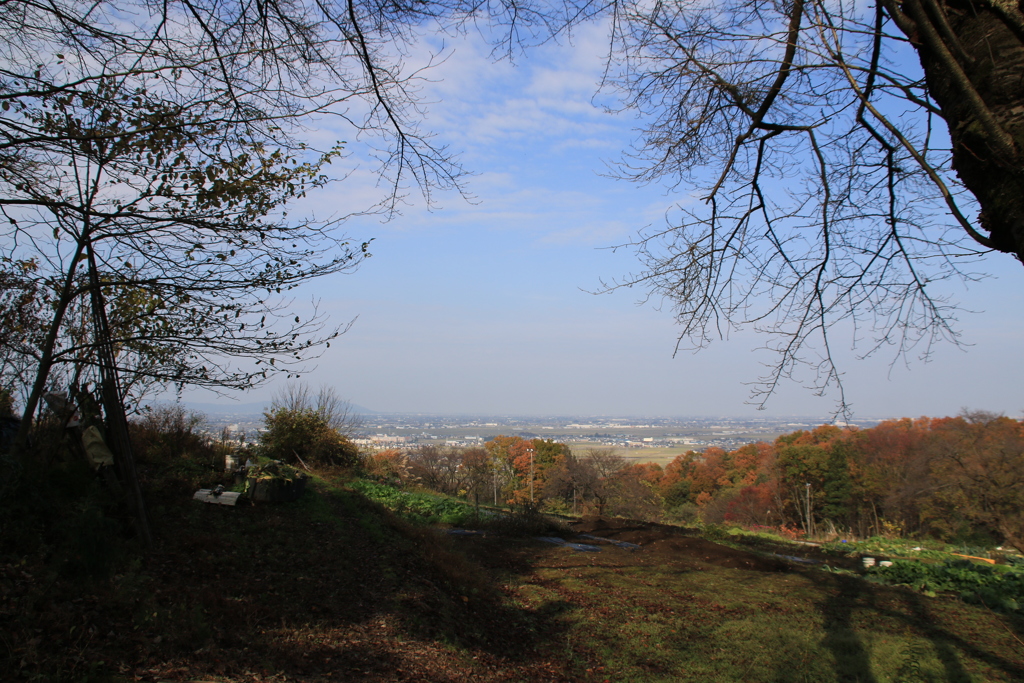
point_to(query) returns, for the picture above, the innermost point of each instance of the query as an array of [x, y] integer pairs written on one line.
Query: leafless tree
[[592, 476], [439, 467], [334, 411], [605, 461], [839, 160], [477, 472]]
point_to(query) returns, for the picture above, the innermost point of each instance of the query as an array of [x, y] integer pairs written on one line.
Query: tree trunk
[[46, 355], [973, 59], [1011, 536]]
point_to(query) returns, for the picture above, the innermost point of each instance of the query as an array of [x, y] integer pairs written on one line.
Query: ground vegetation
[[335, 585]]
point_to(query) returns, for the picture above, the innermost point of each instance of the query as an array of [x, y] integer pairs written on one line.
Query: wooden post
[[113, 405]]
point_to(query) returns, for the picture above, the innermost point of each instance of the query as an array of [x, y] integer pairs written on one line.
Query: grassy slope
[[705, 623], [336, 588]]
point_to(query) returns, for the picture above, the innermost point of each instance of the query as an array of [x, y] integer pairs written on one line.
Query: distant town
[[638, 437]]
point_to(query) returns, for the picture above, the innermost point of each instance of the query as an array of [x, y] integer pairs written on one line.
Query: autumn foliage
[[958, 479]]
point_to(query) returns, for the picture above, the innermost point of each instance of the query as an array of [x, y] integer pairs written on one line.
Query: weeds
[[420, 508], [524, 521], [715, 532], [912, 670], [997, 587]]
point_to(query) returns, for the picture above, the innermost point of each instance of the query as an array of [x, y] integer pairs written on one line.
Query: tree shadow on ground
[[333, 584], [852, 656], [909, 611]]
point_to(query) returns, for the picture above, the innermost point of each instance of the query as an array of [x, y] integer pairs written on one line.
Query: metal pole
[[530, 450]]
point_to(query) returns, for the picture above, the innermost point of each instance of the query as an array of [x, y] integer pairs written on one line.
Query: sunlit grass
[[670, 623]]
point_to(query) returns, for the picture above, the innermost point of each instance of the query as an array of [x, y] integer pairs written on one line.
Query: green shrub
[[686, 514], [423, 508], [294, 434], [167, 432], [996, 587], [892, 547], [427, 508]]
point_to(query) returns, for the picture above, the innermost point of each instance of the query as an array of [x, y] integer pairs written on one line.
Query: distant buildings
[[382, 431]]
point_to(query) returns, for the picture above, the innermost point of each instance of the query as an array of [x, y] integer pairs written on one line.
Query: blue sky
[[482, 307]]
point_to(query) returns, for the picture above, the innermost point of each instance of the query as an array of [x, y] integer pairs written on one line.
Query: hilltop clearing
[[334, 587]]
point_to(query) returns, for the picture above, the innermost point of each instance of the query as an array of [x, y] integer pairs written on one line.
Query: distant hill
[[227, 407]]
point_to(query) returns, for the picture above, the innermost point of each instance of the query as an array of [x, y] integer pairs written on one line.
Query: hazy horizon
[[229, 407]]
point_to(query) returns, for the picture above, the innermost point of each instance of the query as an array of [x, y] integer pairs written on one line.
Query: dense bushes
[[295, 435], [956, 479], [418, 507], [997, 587], [54, 507], [167, 432], [313, 429]]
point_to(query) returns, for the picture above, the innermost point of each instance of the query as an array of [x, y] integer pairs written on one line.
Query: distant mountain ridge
[[232, 408]]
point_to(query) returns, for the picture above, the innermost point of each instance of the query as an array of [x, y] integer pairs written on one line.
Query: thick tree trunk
[[973, 58]]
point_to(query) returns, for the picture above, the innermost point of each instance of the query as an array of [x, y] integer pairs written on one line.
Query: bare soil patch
[[662, 543]]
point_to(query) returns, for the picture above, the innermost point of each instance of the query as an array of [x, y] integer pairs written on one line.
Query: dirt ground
[[661, 544]]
